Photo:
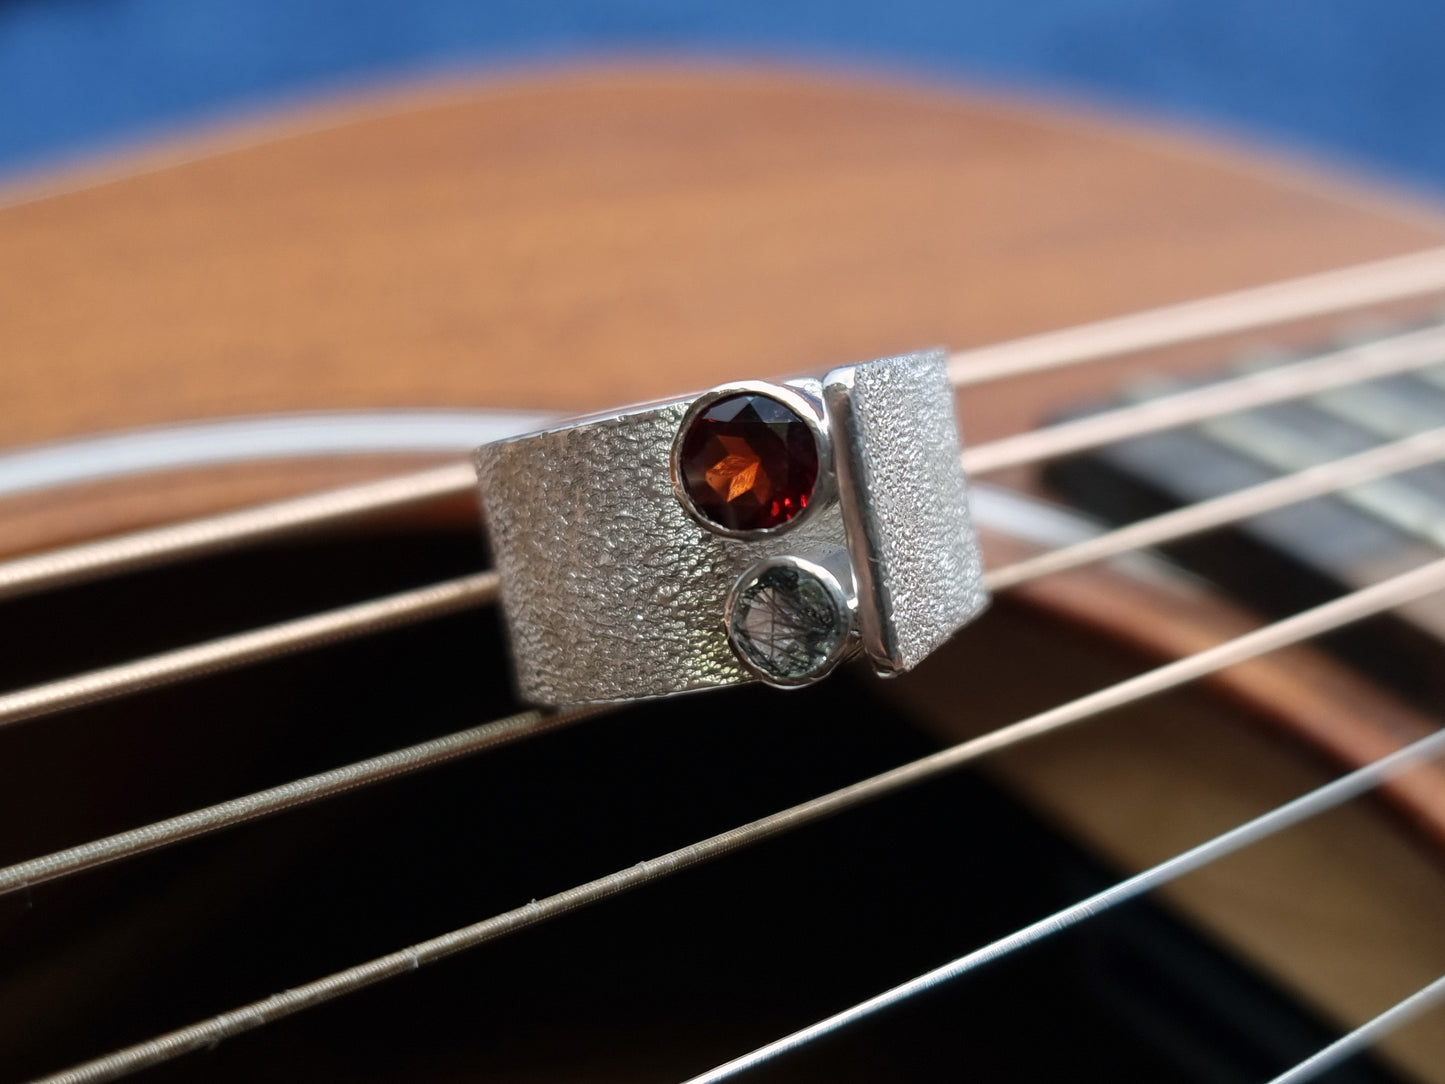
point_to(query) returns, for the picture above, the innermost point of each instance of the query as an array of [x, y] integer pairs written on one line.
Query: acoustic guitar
[[222, 800]]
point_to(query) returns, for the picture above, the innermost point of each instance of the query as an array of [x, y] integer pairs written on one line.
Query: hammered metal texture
[[610, 591], [911, 501]]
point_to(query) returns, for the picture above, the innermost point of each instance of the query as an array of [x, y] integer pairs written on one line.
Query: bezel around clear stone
[[810, 597]]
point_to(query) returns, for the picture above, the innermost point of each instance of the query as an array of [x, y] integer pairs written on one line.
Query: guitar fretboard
[[1298, 555]]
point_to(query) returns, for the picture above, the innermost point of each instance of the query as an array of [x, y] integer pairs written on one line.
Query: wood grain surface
[[578, 239]]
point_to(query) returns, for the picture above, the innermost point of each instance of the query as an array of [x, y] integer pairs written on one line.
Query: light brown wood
[[574, 240]]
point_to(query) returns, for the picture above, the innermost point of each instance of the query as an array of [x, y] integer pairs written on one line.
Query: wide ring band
[[620, 579]]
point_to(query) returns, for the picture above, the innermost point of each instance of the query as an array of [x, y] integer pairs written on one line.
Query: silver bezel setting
[[612, 590], [844, 606], [804, 398]]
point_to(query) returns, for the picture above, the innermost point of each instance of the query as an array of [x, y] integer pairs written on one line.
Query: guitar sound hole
[[648, 987]]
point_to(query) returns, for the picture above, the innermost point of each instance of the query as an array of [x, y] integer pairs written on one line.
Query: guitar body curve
[[570, 240]]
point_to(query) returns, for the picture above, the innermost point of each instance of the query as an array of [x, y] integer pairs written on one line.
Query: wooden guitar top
[[572, 240]]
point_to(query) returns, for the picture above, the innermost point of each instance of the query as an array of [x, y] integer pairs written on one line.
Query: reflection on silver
[[904, 499]]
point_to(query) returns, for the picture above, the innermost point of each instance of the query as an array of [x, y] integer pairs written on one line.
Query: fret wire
[[226, 530], [1387, 412], [1408, 507], [1399, 590], [1340, 368], [1308, 805], [287, 796], [1367, 1034], [1395, 279], [1434, 376], [1228, 509], [212, 656]]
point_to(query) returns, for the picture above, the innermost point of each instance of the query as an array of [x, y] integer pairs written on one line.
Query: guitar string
[[1342, 368], [1396, 279], [1397, 591], [1327, 478], [269, 521], [1404, 454], [26, 875], [1367, 1034], [1206, 515], [1276, 820], [1325, 372], [213, 534], [1389, 280], [256, 645]]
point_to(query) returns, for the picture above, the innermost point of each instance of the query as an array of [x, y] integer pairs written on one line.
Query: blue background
[[1353, 80]]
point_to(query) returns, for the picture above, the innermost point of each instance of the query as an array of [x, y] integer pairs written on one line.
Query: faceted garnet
[[748, 463]]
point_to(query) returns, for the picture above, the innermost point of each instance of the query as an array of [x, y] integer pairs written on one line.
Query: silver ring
[[757, 531]]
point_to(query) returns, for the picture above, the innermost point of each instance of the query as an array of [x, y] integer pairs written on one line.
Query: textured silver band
[[612, 591]]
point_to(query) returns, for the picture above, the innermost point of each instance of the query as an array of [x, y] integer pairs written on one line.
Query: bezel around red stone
[[805, 399]]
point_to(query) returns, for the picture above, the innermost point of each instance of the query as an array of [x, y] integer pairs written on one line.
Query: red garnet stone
[[748, 463]]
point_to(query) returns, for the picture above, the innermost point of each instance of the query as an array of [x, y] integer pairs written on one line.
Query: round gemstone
[[748, 463], [787, 625]]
